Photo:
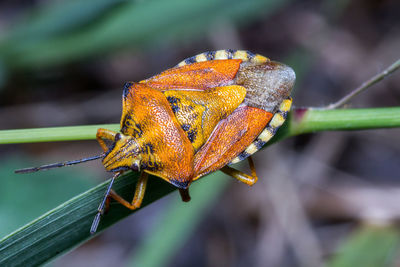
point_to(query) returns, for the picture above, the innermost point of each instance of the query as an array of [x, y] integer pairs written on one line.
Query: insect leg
[[243, 177], [184, 194], [139, 194], [104, 134], [100, 209]]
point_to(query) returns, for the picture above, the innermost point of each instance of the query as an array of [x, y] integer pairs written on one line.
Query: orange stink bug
[[209, 111]]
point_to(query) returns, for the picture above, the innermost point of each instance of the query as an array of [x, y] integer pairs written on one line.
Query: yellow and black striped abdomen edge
[[269, 131], [244, 55]]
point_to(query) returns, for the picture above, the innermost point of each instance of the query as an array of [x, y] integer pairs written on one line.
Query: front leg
[[104, 134], [139, 194]]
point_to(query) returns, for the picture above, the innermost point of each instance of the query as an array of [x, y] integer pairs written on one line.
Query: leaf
[[178, 223], [68, 225]]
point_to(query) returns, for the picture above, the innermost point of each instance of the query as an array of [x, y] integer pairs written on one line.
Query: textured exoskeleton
[[209, 111]]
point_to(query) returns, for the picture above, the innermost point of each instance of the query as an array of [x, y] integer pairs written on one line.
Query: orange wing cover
[[199, 75], [231, 136], [166, 151], [191, 117]]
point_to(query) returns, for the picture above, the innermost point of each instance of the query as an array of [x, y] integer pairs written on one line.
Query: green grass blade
[[66, 226], [178, 223]]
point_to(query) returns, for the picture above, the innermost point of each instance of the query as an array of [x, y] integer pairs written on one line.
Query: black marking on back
[[174, 103], [150, 165], [125, 92], [175, 108], [127, 119], [125, 124], [148, 148], [172, 100], [137, 130], [192, 134], [185, 127]]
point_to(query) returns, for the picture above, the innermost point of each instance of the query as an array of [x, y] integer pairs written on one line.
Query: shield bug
[[209, 111]]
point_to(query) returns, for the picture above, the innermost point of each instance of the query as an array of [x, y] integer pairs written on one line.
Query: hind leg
[[241, 176]]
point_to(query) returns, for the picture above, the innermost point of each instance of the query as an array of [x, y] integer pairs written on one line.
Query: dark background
[[326, 197]]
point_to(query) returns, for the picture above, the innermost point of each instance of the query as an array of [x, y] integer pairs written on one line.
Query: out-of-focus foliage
[[369, 246], [67, 31]]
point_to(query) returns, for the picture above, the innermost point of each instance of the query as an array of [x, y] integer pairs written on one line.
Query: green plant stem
[[300, 122], [68, 225], [315, 120], [51, 134]]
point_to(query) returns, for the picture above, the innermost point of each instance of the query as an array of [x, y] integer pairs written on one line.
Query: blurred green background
[[330, 198]]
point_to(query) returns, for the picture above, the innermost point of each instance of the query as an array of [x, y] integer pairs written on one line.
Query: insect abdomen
[[268, 86], [244, 55], [277, 120]]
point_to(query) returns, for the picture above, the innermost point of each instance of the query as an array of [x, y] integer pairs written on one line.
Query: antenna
[[100, 209], [59, 164]]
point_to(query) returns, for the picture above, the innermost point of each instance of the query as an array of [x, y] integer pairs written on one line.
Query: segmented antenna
[[59, 164], [100, 209]]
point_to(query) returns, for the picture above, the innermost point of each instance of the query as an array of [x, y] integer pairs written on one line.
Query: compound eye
[[135, 167], [117, 137]]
